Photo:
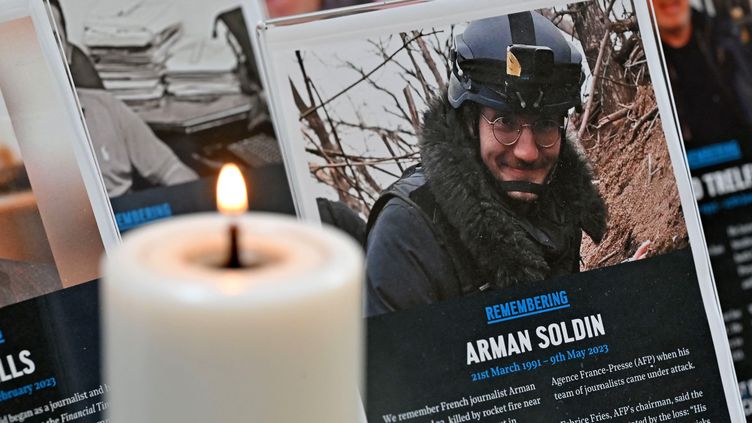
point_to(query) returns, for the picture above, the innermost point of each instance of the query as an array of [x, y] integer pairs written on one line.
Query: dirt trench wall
[[634, 175]]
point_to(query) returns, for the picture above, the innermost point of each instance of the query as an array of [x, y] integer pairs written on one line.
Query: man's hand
[[642, 251]]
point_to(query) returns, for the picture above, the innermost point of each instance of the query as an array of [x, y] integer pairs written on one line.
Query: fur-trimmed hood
[[483, 216]]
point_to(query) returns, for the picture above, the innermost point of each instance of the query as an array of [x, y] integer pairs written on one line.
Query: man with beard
[[501, 196]]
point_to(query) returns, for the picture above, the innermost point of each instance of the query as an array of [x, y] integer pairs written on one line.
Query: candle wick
[[233, 261]]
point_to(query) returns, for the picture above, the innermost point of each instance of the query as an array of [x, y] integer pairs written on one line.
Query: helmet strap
[[523, 186], [530, 187]]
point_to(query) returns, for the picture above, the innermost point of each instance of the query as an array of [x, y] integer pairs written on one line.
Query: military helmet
[[517, 63]]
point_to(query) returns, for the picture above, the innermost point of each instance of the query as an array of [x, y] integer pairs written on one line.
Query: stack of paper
[[201, 68], [129, 43]]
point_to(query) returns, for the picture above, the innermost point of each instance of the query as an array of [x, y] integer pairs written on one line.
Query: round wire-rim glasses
[[508, 130]]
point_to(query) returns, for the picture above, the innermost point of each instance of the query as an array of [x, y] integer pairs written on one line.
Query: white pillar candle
[[189, 341]]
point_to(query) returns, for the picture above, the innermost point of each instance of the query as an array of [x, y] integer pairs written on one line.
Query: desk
[[199, 131], [190, 116], [205, 134]]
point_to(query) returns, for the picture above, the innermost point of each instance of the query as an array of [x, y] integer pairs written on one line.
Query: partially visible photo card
[[55, 225], [529, 225], [707, 53], [54, 219], [25, 253]]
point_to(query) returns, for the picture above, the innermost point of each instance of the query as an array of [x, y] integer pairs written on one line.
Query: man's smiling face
[[525, 160]]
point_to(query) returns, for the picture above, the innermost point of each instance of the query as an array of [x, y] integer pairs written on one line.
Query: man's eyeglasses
[[507, 129]]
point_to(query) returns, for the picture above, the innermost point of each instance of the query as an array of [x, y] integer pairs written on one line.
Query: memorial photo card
[[533, 248], [707, 54], [55, 225], [50, 199]]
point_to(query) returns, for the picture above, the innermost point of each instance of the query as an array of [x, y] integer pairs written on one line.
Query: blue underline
[[491, 322]]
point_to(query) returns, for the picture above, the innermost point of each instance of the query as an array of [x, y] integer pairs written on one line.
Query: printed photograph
[[143, 81], [707, 47], [170, 92], [491, 153]]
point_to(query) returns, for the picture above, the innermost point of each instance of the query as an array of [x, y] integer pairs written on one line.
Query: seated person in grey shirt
[[121, 140]]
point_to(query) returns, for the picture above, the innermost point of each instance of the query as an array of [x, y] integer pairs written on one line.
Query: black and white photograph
[[170, 92]]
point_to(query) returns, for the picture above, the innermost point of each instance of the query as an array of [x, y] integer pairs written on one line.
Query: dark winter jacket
[[711, 80], [444, 230]]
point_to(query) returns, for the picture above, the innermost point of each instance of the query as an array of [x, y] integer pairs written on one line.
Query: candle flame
[[232, 197]]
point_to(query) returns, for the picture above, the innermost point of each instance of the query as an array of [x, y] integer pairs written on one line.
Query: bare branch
[[613, 117], [403, 113], [641, 121], [368, 74], [377, 129], [385, 140], [624, 25], [385, 172], [314, 118], [316, 168], [593, 82], [418, 73], [334, 133], [413, 110], [556, 17], [609, 8], [429, 60], [444, 51], [359, 158]]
